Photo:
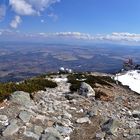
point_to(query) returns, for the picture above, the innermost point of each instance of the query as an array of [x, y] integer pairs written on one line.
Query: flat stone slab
[[10, 130], [25, 116]]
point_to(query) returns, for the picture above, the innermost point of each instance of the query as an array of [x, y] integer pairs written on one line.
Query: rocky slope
[[103, 112]]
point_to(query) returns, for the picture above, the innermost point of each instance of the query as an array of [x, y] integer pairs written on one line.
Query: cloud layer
[[118, 38]]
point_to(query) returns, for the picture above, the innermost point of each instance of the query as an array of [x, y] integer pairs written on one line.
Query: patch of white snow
[[60, 80], [131, 79]]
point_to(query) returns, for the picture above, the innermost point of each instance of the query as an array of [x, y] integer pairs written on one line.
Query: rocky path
[[58, 114]]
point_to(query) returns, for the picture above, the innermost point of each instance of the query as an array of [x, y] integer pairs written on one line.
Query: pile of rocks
[[58, 114]]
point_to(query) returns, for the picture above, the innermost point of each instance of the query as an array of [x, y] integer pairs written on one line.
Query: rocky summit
[[100, 111]]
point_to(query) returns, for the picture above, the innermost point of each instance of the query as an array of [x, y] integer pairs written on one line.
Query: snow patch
[[131, 79], [60, 79]]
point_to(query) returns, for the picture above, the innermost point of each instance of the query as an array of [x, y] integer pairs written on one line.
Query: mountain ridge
[[105, 110]]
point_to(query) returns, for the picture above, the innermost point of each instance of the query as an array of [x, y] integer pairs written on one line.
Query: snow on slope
[[131, 79]]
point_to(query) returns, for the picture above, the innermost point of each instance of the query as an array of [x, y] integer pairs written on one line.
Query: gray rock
[[25, 116], [110, 126], [38, 130], [31, 135], [10, 130], [83, 120], [3, 120], [22, 98], [51, 134], [86, 90], [100, 135], [92, 113], [13, 121], [63, 130]]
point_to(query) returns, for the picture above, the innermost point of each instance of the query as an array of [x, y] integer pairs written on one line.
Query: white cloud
[[114, 37], [2, 11], [22, 7], [76, 35], [30, 7], [15, 22], [117, 38], [121, 37]]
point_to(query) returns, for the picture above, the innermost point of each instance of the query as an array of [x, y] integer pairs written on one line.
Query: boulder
[[110, 126], [10, 130], [86, 90], [22, 98]]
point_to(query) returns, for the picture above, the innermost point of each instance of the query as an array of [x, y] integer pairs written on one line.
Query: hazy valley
[[22, 60]]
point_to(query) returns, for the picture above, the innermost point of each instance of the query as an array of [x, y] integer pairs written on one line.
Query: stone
[[110, 126], [31, 135], [25, 116], [38, 130], [51, 134], [3, 120], [22, 98], [10, 130], [92, 113], [100, 135], [63, 130], [13, 121], [86, 90], [83, 120]]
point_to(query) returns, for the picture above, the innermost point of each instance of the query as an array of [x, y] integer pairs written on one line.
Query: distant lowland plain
[[19, 60]]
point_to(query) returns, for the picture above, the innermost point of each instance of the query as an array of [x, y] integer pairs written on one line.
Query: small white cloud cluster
[[30, 7], [121, 37], [15, 22], [75, 35]]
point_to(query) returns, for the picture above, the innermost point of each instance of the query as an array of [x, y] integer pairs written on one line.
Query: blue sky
[[92, 19]]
